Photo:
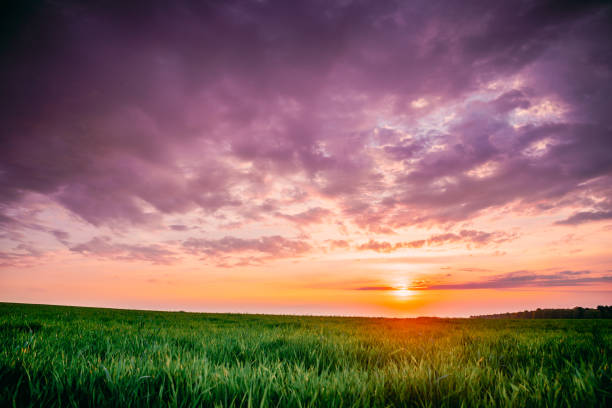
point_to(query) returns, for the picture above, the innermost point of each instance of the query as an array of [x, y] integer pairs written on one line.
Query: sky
[[375, 158]]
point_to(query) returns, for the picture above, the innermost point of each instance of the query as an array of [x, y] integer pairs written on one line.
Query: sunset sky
[[381, 158]]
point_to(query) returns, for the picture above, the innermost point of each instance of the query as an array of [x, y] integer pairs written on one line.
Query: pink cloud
[[104, 247], [467, 237]]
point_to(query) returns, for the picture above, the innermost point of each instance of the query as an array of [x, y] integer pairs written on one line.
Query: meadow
[[72, 356]]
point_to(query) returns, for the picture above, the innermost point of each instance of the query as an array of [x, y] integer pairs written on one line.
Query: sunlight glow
[[402, 292]]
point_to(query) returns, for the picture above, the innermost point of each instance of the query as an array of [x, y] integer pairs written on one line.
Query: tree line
[[601, 312]]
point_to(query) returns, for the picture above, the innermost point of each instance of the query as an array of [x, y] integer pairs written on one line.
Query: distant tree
[[601, 312]]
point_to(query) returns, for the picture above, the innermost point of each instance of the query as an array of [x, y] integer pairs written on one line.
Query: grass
[[69, 356]]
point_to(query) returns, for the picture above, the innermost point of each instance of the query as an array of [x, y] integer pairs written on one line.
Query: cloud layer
[[370, 117], [526, 279]]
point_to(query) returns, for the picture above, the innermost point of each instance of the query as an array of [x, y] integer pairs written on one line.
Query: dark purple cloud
[[179, 227], [586, 216], [62, 236], [125, 113]]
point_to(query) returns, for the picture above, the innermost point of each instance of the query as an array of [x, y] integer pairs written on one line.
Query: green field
[[68, 356]]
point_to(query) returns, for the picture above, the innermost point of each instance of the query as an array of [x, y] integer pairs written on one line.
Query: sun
[[402, 292]]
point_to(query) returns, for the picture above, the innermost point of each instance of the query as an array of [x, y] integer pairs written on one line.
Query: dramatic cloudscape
[[393, 158]]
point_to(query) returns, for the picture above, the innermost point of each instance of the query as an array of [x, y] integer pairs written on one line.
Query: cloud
[[179, 227], [477, 238], [231, 251], [62, 236], [272, 246], [229, 106], [586, 216], [310, 216], [183, 89], [22, 255], [468, 237], [338, 243], [383, 246], [104, 247], [376, 288], [525, 279], [511, 100], [13, 229]]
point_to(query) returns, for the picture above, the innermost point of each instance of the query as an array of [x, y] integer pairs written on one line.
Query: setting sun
[[402, 292]]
